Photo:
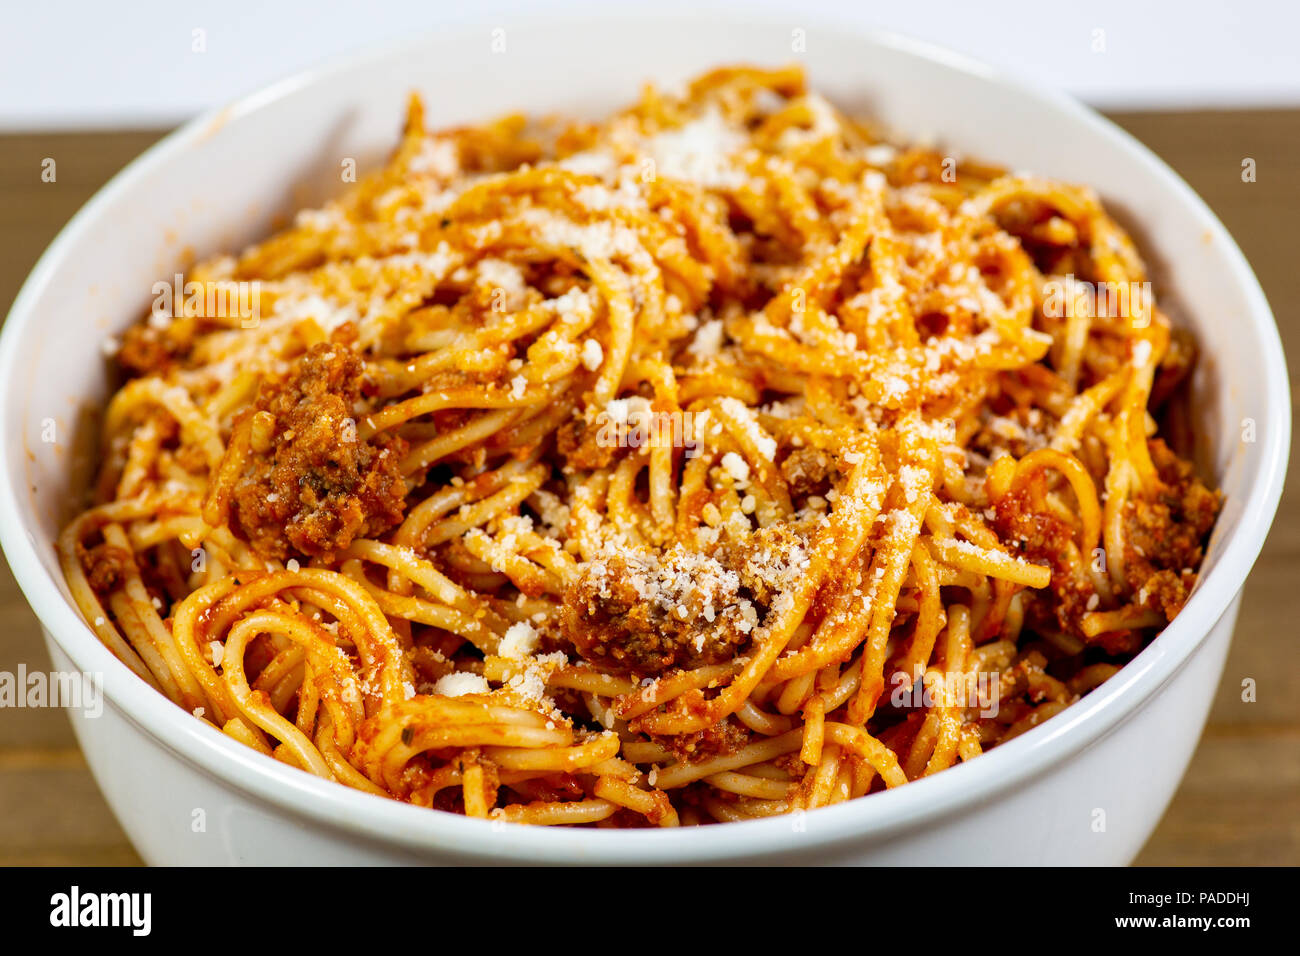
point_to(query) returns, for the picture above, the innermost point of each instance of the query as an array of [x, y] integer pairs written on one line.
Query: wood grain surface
[[1240, 800]]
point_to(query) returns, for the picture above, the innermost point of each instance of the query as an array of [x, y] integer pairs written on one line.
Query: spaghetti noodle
[[714, 461]]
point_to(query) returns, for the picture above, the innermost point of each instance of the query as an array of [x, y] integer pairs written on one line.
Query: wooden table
[[1240, 801]]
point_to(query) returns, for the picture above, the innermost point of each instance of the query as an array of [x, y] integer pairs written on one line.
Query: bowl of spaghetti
[[851, 457]]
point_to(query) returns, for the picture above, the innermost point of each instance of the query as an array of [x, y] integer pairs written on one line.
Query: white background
[[104, 63]]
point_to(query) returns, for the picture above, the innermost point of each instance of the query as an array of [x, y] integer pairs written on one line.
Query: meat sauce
[[315, 486]]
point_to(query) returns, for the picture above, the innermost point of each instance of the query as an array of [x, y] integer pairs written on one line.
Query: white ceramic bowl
[[1088, 786]]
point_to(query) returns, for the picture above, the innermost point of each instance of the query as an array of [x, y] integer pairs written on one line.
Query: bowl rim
[[888, 814]]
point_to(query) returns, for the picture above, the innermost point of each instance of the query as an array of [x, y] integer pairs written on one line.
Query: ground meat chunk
[[316, 486], [808, 471], [146, 350], [581, 447], [105, 565], [1165, 533], [639, 612], [1043, 538], [723, 738], [767, 561]]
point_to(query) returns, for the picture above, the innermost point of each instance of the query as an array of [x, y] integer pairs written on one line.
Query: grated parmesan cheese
[[520, 641], [592, 355], [735, 466], [460, 683]]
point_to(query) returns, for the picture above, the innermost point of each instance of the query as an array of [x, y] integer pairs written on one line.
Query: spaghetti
[[714, 461]]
